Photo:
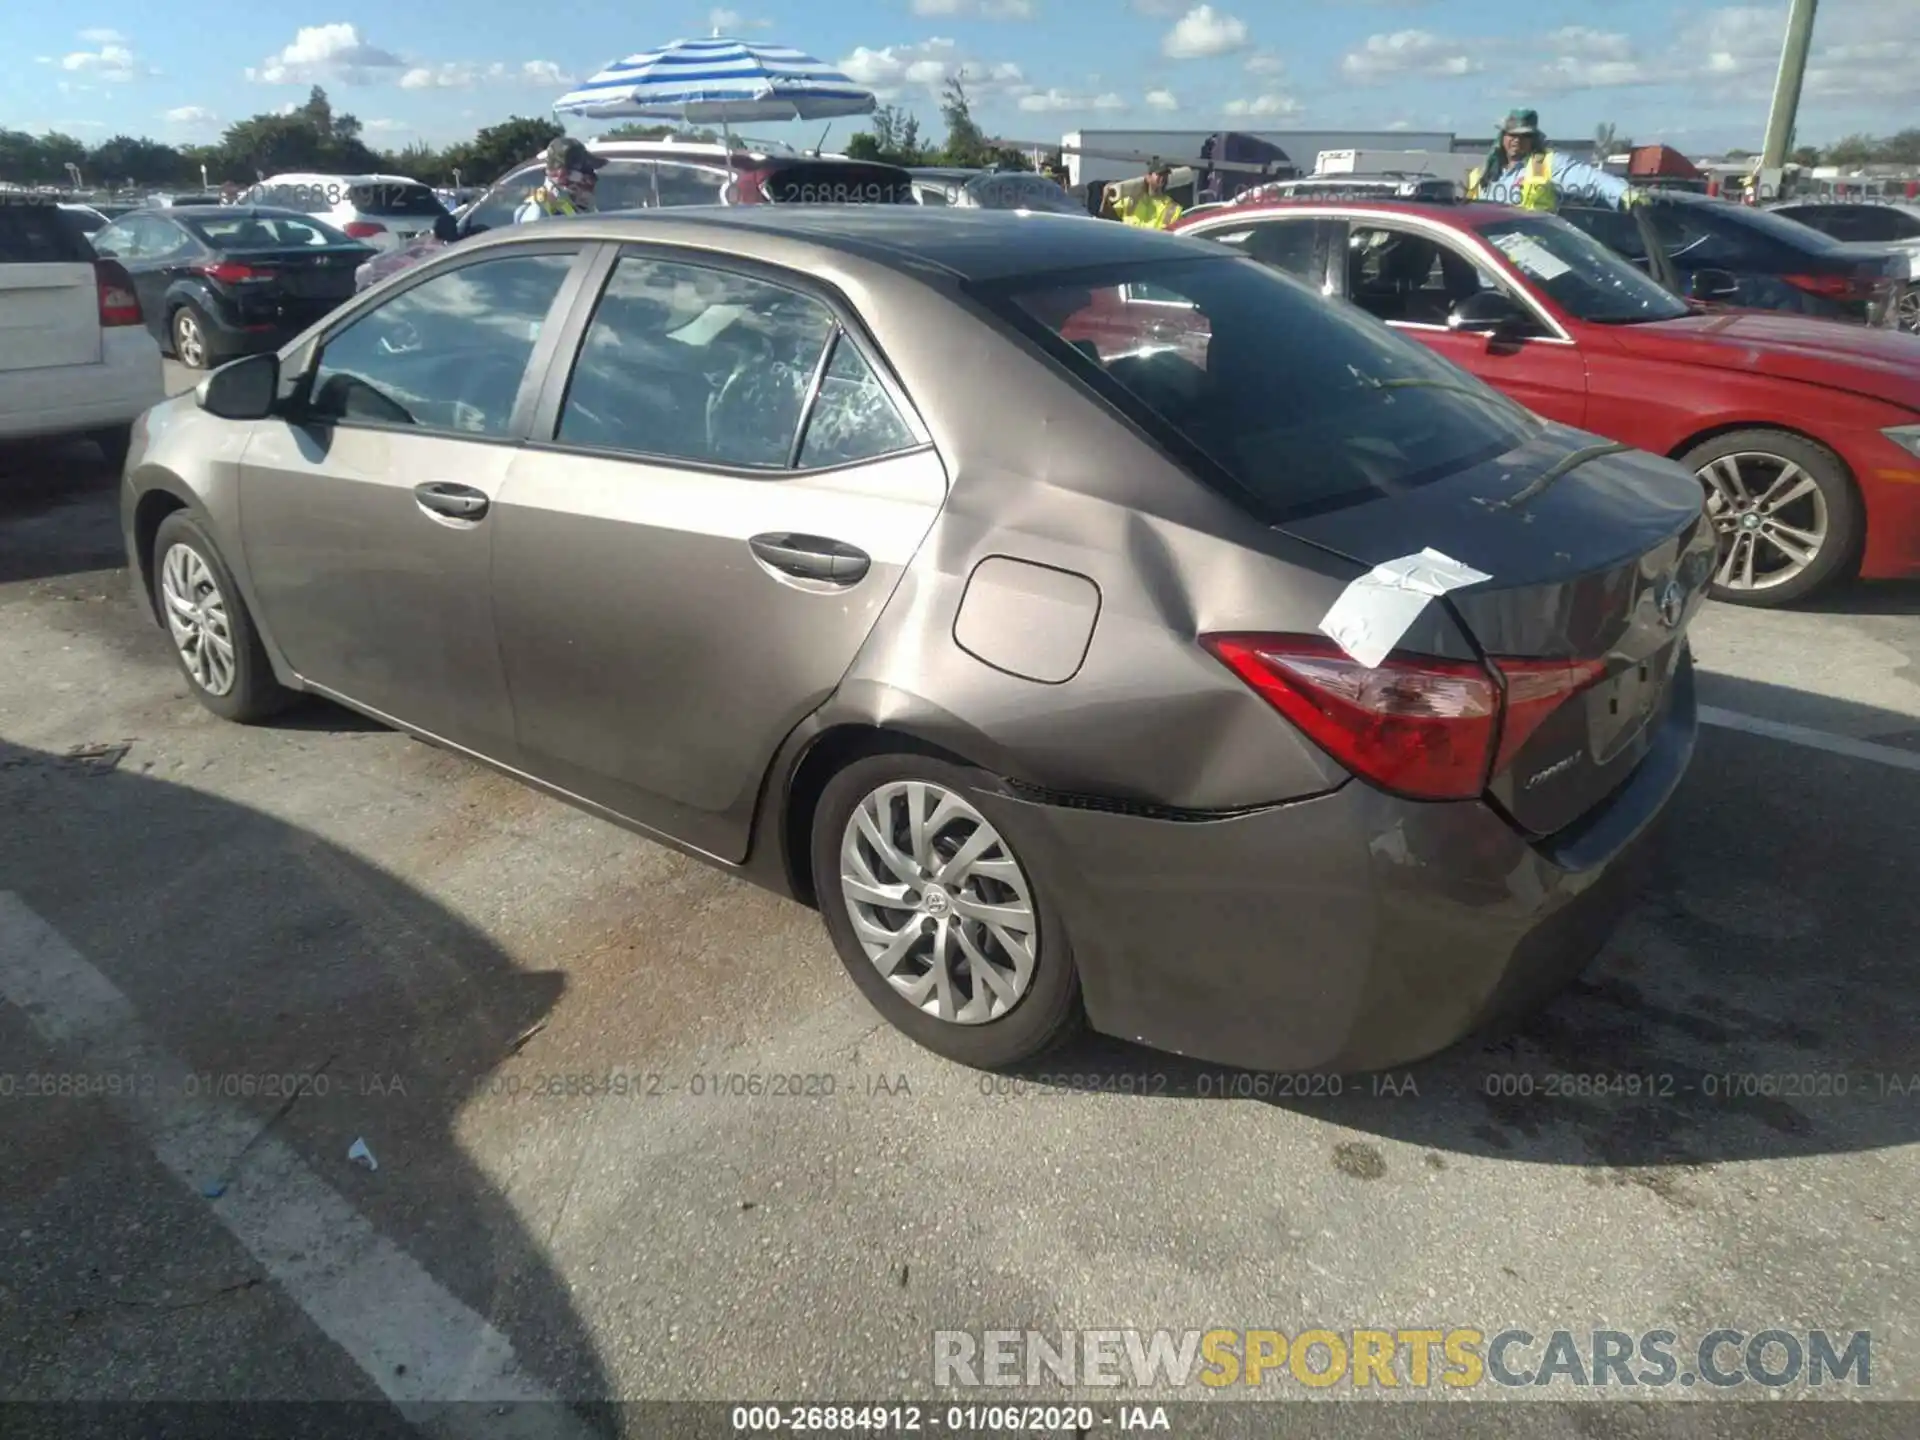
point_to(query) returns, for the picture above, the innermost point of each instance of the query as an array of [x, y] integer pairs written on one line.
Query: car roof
[[251, 212], [356, 178], [1466, 214], [969, 245]]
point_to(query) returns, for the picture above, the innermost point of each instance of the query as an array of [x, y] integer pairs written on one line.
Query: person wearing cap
[[1152, 210], [572, 172], [1523, 170]]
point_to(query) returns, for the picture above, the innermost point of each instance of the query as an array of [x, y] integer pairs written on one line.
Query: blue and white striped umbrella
[[718, 82]]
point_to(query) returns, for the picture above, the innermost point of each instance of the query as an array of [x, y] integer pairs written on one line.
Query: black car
[[216, 283], [1738, 256]]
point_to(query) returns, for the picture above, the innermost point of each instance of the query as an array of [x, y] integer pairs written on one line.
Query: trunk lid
[[303, 272], [1602, 568], [49, 291]]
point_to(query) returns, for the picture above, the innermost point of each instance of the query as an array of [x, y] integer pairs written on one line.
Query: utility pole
[[1786, 89]]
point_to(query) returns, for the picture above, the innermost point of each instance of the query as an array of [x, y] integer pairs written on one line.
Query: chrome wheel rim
[[939, 903], [188, 340], [1769, 516], [1908, 311], [197, 619]]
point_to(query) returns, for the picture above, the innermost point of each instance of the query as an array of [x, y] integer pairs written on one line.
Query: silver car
[[1091, 622]]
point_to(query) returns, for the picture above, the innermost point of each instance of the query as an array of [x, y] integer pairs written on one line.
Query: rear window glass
[[1306, 405], [838, 183], [41, 235], [261, 232], [1022, 192], [392, 197]]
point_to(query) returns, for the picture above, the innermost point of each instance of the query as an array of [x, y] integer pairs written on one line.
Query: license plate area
[[1619, 707]]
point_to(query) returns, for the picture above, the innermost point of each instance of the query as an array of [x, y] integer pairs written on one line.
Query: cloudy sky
[[434, 70]]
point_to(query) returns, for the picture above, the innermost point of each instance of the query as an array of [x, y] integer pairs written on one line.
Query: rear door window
[[41, 234]]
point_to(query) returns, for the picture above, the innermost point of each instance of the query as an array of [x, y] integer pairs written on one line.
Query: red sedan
[[1806, 433]]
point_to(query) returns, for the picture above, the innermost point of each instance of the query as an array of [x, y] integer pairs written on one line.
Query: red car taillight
[[231, 272], [1416, 725], [1839, 287], [119, 304], [361, 229]]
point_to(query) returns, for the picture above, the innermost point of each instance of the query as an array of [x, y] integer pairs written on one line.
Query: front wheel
[[213, 636], [938, 917], [1785, 514]]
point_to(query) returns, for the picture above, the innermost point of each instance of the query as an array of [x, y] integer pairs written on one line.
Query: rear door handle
[[456, 502], [811, 557]]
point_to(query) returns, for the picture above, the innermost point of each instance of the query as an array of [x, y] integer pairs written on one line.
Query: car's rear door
[[367, 508], [49, 294], [722, 492]]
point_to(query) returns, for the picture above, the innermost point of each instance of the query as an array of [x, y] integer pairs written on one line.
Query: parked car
[[993, 190], [1891, 223], [200, 197], [656, 174], [713, 522], [1805, 434], [387, 212], [74, 356], [214, 284], [1774, 263], [87, 219]]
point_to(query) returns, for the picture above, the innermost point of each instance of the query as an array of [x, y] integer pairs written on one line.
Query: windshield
[[1577, 273], [1022, 192], [837, 182], [262, 232], [1305, 405]]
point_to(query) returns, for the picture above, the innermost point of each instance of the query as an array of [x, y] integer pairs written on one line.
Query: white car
[[75, 355], [387, 212]]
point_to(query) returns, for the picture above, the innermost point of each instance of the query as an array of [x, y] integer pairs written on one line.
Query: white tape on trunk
[[1375, 611]]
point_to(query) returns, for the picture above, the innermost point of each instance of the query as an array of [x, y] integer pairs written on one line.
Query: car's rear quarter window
[[41, 235]]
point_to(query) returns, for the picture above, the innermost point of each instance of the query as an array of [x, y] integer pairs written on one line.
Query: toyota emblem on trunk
[[1670, 602]]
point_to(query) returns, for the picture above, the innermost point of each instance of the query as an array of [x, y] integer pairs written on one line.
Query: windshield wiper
[[1555, 471]]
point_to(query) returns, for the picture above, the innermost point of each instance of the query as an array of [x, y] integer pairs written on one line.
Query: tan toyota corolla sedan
[[1091, 622]]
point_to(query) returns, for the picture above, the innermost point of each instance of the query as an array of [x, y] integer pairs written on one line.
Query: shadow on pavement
[[57, 499], [249, 950], [1759, 1001], [1866, 597]]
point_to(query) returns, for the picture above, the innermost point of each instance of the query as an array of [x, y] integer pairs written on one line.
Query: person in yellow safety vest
[[1154, 210], [572, 173], [1522, 170]]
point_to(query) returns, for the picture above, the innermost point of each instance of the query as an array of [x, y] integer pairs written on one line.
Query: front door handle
[[456, 502], [811, 557]]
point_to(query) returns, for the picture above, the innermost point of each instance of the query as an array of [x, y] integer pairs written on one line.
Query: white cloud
[[1162, 100], [928, 66], [327, 54], [1865, 53], [1265, 62], [190, 115], [1204, 32], [985, 9], [465, 75], [113, 61], [729, 22], [1408, 52], [1053, 101], [386, 127], [1163, 9], [1264, 105]]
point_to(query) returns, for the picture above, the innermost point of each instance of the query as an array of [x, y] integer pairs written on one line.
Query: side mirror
[[1712, 285], [446, 229], [1487, 312], [245, 389]]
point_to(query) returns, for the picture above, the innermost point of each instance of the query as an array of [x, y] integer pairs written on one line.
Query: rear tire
[[1018, 1012], [192, 337], [1785, 512], [213, 637]]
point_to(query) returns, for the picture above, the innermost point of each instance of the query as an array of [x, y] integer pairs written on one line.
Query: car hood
[[1862, 360]]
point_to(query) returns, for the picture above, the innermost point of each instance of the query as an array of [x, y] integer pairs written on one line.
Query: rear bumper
[[70, 399], [1349, 932]]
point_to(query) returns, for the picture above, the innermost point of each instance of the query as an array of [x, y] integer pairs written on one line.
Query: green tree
[[1806, 155], [636, 131], [894, 138], [1901, 149], [125, 160], [1854, 150], [966, 142], [500, 148]]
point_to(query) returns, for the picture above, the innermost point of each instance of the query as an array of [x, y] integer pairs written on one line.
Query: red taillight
[[119, 304], [1416, 725], [1830, 287], [361, 229], [231, 272]]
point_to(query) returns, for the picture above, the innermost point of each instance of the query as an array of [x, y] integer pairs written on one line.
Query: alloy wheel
[[197, 619], [939, 902], [188, 341], [1769, 515], [1907, 311]]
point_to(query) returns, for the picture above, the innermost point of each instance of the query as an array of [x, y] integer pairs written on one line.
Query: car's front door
[[1412, 277], [366, 510], [688, 564]]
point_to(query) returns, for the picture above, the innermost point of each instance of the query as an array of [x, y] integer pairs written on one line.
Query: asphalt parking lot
[[425, 949]]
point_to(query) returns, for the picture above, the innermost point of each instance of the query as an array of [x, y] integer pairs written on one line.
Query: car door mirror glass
[[446, 229], [1490, 312], [1710, 285], [246, 389]]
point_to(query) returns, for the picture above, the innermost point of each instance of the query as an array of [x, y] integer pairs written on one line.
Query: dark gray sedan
[[1091, 622]]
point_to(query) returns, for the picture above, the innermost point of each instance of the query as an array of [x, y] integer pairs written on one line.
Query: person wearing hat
[[572, 173], [1523, 170], [1152, 210]]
